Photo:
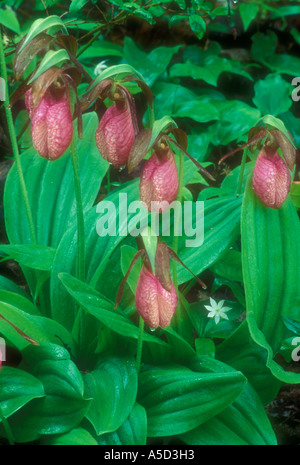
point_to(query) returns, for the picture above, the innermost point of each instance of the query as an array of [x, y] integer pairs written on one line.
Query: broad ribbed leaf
[[17, 388], [133, 432], [240, 352], [51, 193], [271, 269], [50, 189], [221, 229], [178, 399], [244, 422], [98, 251], [64, 405], [75, 437], [113, 388], [51, 24], [34, 256]]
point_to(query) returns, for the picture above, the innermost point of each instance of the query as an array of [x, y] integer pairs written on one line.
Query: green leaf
[[150, 65], [290, 121], [236, 118], [77, 5], [213, 66], [64, 405], [242, 353], [8, 285], [159, 127], [51, 24], [221, 228], [263, 50], [127, 254], [101, 48], [230, 266], [265, 90], [54, 208], [9, 20], [295, 195], [52, 58], [51, 194], [198, 109], [248, 12], [34, 256], [18, 311], [131, 433], [117, 71], [244, 422], [99, 252], [113, 387], [271, 266], [75, 437], [198, 25], [178, 399], [17, 388]]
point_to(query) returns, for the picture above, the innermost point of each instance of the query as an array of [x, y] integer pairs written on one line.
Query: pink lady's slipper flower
[[116, 133], [155, 303], [159, 180], [271, 179], [51, 122], [155, 296]]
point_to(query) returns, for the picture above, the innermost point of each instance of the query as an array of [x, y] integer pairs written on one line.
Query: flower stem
[[7, 429], [242, 170], [14, 144], [152, 116], [140, 344], [79, 210], [176, 226]]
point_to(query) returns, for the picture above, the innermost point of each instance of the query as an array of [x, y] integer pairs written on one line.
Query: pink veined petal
[[51, 125], [159, 181], [155, 304], [115, 134], [271, 179]]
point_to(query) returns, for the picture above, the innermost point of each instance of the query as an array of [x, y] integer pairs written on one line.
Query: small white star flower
[[100, 67], [216, 310]]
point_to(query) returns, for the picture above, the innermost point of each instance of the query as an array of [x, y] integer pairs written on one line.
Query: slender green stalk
[[152, 116], [108, 185], [140, 344], [7, 429], [14, 144], [176, 225], [79, 210], [242, 170]]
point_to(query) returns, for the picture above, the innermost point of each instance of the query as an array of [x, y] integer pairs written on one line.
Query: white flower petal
[[210, 309], [213, 303], [211, 315], [224, 316], [226, 309], [217, 319]]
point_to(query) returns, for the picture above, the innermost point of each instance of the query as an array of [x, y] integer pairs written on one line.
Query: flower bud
[[159, 181], [271, 179], [155, 304], [51, 123], [115, 134]]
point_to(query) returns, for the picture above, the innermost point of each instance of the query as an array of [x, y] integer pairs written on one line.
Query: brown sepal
[[24, 58], [139, 149], [139, 254]]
